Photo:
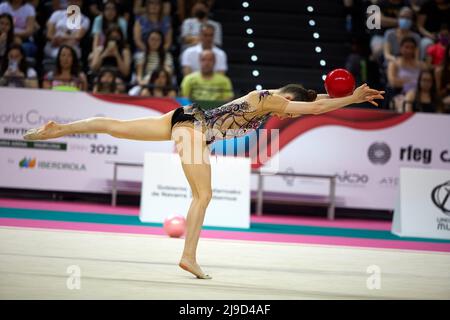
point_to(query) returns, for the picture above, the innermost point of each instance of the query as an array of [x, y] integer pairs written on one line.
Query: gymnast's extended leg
[[157, 128]]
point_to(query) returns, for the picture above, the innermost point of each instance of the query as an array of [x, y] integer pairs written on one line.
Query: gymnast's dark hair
[[299, 93]]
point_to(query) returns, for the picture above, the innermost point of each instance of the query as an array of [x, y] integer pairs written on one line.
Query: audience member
[[389, 11], [190, 57], [207, 84], [107, 82], [436, 52], [152, 20], [424, 98], [23, 15], [6, 34], [159, 85], [58, 32], [154, 57], [443, 79], [109, 17], [114, 54], [191, 27], [67, 75], [432, 16], [15, 71], [392, 37]]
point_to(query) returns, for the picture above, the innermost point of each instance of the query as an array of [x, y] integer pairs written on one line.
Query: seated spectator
[[392, 37], [139, 7], [58, 32], [207, 84], [102, 23], [125, 9], [436, 52], [23, 15], [152, 20], [107, 82], [6, 34], [403, 73], [159, 85], [114, 54], [190, 57], [432, 16], [424, 98], [92, 8], [154, 57], [191, 27], [389, 11], [67, 75], [443, 80], [15, 71]]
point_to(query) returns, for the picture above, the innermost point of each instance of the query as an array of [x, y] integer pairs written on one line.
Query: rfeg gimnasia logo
[[379, 153], [441, 197]]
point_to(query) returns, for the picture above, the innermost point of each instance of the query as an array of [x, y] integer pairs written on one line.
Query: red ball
[[339, 83], [174, 226]]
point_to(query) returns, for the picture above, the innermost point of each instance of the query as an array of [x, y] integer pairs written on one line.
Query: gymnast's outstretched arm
[[323, 104]]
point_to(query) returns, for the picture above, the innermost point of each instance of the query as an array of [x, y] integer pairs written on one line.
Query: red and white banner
[[365, 148], [75, 163]]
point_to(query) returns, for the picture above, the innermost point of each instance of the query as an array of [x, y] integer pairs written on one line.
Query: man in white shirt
[[190, 58]]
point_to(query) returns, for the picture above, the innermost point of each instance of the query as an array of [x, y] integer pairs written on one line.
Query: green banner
[[5, 143]]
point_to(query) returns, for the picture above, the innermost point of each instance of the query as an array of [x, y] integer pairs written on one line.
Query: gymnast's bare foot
[[50, 130], [193, 267]]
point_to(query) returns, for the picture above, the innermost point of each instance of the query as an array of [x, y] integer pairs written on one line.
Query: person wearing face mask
[[436, 52], [191, 27], [393, 36]]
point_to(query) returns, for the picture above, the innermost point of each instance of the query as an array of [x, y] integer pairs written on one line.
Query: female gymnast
[[194, 129]]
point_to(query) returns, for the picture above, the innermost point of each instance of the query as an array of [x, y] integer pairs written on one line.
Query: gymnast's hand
[[365, 94]]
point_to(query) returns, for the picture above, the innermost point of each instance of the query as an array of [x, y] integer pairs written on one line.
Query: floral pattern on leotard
[[263, 94], [214, 119]]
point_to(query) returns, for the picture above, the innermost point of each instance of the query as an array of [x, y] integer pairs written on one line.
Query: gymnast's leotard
[[233, 119]]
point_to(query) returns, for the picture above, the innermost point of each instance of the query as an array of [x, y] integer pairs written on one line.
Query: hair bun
[[312, 95]]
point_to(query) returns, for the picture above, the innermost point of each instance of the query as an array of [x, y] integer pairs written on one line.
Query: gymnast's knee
[[204, 196]]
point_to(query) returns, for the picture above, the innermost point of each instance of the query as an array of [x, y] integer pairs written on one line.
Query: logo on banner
[[51, 165], [379, 153], [352, 178], [289, 179], [441, 197], [27, 163]]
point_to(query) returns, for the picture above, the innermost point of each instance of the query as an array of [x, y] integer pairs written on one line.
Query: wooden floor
[[34, 265]]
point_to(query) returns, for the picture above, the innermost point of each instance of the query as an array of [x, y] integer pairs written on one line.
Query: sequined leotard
[[233, 119]]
